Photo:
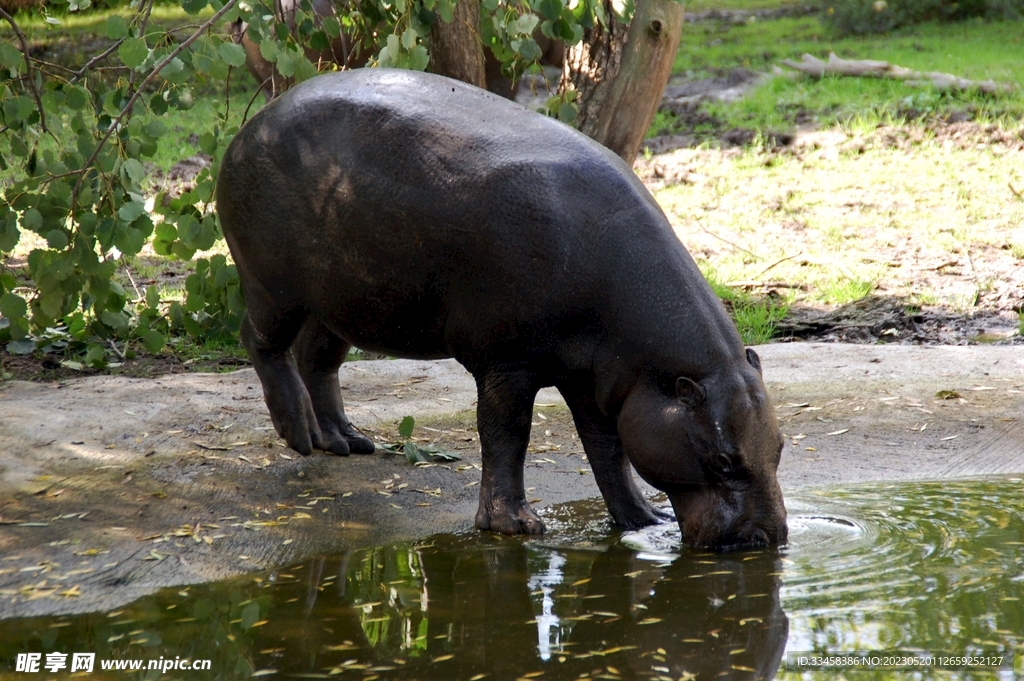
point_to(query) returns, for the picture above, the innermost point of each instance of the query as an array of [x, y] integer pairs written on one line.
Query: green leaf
[[286, 63], [304, 69], [208, 143], [165, 231], [130, 241], [135, 171], [419, 58], [57, 239], [51, 303], [194, 6], [176, 72], [9, 232], [117, 27], [408, 38], [154, 341], [17, 109], [114, 320], [525, 24], [269, 50], [155, 128], [231, 53], [446, 8], [95, 356], [332, 26], [406, 427], [13, 306], [131, 211], [442, 454], [21, 347], [76, 97], [153, 296], [414, 454], [32, 220], [133, 52], [11, 57]]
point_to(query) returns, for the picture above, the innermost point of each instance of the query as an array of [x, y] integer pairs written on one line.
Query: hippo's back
[[392, 200]]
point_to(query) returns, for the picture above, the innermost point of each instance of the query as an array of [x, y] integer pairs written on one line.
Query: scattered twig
[[1015, 191], [115, 124], [28, 66], [775, 264], [724, 240], [868, 68]]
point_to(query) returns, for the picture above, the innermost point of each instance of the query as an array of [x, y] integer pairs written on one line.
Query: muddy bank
[[113, 487]]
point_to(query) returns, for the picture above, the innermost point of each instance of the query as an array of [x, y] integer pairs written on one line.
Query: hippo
[[414, 215]]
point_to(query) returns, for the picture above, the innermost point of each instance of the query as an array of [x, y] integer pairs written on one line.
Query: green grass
[[755, 318], [840, 291], [973, 49]]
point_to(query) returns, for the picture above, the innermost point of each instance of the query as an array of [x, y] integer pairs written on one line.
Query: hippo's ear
[[754, 360], [690, 393]]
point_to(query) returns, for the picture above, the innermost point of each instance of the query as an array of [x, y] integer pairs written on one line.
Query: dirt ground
[[112, 487]]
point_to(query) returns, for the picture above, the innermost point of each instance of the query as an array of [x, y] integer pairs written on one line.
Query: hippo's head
[[713, 446]]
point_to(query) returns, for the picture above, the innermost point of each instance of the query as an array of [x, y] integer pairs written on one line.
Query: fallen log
[[868, 68]]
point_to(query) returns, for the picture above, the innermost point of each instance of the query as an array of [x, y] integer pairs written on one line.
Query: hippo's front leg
[[504, 410], [603, 447]]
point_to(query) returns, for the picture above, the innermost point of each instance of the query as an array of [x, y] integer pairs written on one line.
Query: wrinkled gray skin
[[414, 215]]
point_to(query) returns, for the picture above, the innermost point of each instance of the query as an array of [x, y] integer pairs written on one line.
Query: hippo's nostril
[[759, 537]]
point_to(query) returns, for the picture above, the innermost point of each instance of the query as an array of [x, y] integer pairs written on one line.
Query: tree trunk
[[620, 72], [455, 48]]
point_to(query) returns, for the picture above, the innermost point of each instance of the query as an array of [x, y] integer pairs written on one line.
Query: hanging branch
[[141, 88], [28, 67]]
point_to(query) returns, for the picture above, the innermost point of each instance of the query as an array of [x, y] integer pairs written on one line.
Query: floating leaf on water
[[650, 620], [442, 658]]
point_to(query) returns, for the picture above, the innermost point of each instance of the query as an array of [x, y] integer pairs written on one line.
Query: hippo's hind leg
[[504, 410], [267, 336], [603, 447], [318, 353]]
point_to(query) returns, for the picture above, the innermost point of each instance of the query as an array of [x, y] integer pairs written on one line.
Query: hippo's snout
[[720, 523]]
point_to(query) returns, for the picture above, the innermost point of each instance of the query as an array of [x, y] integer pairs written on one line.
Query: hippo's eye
[[723, 462]]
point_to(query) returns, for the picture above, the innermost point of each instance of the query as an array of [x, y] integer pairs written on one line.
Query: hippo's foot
[[508, 517], [296, 422], [345, 440], [634, 516]]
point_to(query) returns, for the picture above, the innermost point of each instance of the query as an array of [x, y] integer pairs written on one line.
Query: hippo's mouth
[[713, 521]]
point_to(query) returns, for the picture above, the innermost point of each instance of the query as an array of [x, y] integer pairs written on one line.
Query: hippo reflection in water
[[417, 216]]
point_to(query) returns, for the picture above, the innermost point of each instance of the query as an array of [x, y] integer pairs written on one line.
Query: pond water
[[936, 567]]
